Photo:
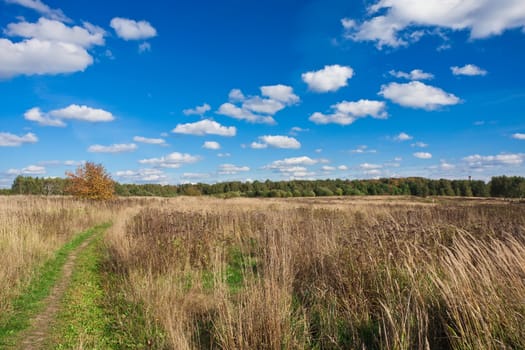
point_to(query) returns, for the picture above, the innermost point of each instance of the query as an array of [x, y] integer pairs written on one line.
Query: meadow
[[309, 273]]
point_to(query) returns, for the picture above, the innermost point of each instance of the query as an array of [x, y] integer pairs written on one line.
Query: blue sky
[[175, 92]]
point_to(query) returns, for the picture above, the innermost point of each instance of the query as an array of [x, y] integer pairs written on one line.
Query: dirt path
[[36, 335]]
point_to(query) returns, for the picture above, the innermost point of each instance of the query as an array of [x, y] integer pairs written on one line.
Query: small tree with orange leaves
[[90, 181]]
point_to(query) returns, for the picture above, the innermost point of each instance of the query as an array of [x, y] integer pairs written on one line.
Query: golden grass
[[341, 274]]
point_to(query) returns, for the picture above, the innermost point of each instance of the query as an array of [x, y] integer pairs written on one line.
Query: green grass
[[29, 303], [95, 312]]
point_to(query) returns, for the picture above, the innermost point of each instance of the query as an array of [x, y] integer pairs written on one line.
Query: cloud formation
[[114, 148], [173, 160], [151, 141], [72, 112], [205, 127], [276, 141], [469, 70], [129, 29], [416, 94], [329, 79], [415, 74], [11, 140], [345, 113], [397, 23]]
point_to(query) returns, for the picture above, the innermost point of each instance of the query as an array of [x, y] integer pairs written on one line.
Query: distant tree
[[90, 181]]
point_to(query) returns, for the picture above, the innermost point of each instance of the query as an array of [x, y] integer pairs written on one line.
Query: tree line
[[498, 186]]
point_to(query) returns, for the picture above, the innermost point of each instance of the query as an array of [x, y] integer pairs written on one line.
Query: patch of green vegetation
[[96, 313], [29, 302]]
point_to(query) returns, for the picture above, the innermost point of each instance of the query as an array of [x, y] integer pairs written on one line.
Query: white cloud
[[231, 110], [41, 8], [72, 112], [230, 169], [211, 145], [423, 155], [83, 113], [223, 155], [277, 141], [416, 94], [346, 113], [446, 166], [199, 110], [257, 104], [518, 136], [258, 145], [11, 140], [419, 144], [236, 95], [173, 160], [416, 74], [281, 93], [330, 78], [392, 21], [129, 29], [144, 47], [205, 127], [342, 167], [469, 69], [295, 130], [369, 166], [403, 136], [151, 141], [328, 168], [142, 175], [39, 57], [296, 165], [36, 115], [363, 149], [506, 159], [55, 31], [114, 148], [29, 170]]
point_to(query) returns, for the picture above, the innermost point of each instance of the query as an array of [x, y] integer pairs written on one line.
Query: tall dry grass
[[267, 274], [31, 229]]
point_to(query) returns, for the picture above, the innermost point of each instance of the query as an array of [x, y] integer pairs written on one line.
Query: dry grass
[[340, 274], [31, 230]]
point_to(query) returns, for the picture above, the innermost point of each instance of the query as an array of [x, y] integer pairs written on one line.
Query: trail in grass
[[36, 335]]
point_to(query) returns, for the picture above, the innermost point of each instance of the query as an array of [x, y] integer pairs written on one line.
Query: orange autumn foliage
[[90, 181]]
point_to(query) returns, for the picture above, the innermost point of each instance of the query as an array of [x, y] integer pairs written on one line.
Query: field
[[310, 273]]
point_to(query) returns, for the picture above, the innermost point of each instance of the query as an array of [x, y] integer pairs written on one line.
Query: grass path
[[36, 308]]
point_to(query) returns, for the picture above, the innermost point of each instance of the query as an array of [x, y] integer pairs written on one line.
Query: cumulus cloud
[[114, 148], [469, 69], [72, 112], [281, 93], [129, 29], [142, 175], [369, 166], [211, 145], [416, 94], [55, 31], [518, 136], [396, 23], [231, 169], [29, 170], [346, 113], [39, 57], [36, 115], [259, 109], [276, 141], [330, 78], [505, 159], [293, 167], [415, 74], [205, 127], [422, 155], [11, 140], [41, 8], [231, 110], [144, 47], [151, 141], [199, 110], [403, 136], [173, 160]]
